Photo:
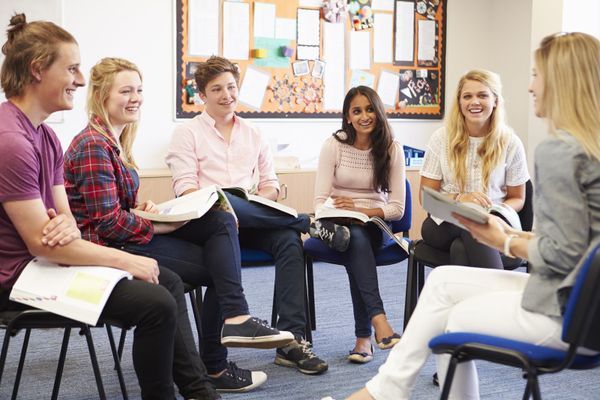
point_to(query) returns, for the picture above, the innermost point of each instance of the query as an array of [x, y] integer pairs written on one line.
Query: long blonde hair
[[102, 77], [569, 64], [495, 142]]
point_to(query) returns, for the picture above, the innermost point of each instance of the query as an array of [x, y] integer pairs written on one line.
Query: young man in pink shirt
[[218, 147]]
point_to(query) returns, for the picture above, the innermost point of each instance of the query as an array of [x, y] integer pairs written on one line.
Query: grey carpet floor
[[332, 340]]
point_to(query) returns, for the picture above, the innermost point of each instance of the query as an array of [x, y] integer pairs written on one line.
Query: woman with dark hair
[[361, 167]]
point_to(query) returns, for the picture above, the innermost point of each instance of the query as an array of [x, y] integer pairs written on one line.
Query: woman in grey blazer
[[519, 306]]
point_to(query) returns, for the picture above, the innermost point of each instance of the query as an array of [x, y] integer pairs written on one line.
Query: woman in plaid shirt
[[102, 184]]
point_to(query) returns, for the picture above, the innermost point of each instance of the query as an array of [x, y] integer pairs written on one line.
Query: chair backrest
[[403, 224], [526, 213], [581, 325]]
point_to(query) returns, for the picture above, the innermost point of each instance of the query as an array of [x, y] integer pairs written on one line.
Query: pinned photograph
[[318, 69], [300, 68]]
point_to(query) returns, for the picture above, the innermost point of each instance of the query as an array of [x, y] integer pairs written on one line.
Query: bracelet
[[458, 196], [507, 242]]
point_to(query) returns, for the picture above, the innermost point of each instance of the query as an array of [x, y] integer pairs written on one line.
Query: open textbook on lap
[[345, 216], [442, 207], [244, 194], [189, 206], [79, 293]]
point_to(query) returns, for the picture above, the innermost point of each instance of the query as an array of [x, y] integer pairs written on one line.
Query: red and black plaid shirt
[[101, 191]]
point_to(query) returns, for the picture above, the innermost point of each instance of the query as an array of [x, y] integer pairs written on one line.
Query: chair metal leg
[[527, 391], [94, 359], [311, 292], [449, 378], [4, 353], [411, 288], [196, 312], [116, 358], [61, 363], [198, 301], [274, 310], [21, 364], [421, 278], [308, 326], [534, 385], [121, 344]]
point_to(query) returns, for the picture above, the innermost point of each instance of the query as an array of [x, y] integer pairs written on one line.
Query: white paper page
[[383, 33], [426, 50], [264, 20], [203, 26], [310, 3], [384, 5], [405, 22], [387, 87], [253, 88], [360, 50], [307, 52], [285, 28], [236, 30], [334, 78], [308, 27]]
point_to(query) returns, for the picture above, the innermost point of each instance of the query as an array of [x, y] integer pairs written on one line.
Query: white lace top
[[511, 172]]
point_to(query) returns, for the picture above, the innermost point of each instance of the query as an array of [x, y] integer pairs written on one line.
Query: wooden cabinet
[[297, 191]]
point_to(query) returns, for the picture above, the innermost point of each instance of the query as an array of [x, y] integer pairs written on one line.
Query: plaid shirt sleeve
[[107, 192]]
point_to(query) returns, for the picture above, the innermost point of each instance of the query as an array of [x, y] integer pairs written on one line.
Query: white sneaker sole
[[263, 342]]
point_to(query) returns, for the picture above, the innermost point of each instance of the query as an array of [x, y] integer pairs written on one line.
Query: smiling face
[[220, 95], [124, 99], [477, 102], [362, 115], [536, 88], [56, 84]]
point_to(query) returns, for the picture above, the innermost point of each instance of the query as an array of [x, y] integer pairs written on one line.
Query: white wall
[[488, 34]]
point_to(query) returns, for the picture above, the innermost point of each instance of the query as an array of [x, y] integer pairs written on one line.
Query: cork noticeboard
[[291, 77]]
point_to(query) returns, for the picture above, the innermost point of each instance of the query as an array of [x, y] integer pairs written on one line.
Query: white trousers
[[486, 301]]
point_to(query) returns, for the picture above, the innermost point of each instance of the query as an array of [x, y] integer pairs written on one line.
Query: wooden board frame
[[270, 109]]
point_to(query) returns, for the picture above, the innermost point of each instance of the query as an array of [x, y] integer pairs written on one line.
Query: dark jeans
[[359, 261], [161, 343], [269, 230], [205, 252], [463, 248]]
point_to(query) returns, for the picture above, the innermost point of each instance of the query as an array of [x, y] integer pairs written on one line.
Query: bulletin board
[[295, 64]]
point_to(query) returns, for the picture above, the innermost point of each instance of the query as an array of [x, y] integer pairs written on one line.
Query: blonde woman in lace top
[[475, 158]]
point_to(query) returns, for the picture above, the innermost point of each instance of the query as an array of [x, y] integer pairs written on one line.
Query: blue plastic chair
[[581, 328], [390, 253]]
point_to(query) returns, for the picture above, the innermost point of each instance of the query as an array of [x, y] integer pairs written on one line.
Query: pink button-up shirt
[[199, 156]]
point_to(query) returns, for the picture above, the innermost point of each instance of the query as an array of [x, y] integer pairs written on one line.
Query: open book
[[329, 211], [243, 193], [441, 206], [79, 293], [189, 206]]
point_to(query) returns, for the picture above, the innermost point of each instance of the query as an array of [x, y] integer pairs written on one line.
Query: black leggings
[[463, 249]]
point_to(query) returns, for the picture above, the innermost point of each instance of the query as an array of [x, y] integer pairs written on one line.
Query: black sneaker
[[254, 333], [300, 355], [333, 235], [235, 379]]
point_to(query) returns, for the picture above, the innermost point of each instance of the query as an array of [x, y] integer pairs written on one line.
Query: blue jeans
[[269, 230], [359, 261], [205, 252]]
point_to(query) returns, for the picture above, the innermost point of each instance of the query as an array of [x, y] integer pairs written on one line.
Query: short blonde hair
[[569, 64], [495, 142], [102, 77], [33, 44]]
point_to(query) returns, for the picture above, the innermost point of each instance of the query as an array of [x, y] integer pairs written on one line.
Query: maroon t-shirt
[[31, 163]]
